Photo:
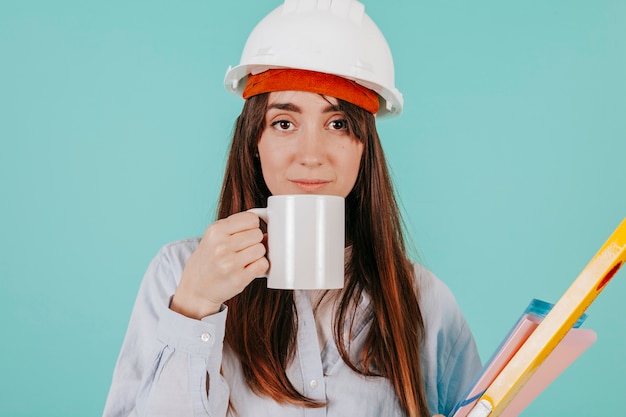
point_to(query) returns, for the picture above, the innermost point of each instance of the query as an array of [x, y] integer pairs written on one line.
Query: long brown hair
[[262, 323]]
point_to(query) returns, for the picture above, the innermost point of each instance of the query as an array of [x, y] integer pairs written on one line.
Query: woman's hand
[[230, 255]]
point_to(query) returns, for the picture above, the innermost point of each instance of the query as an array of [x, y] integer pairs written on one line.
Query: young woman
[[208, 339]]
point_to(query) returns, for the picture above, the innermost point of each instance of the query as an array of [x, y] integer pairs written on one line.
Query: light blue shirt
[[165, 358]]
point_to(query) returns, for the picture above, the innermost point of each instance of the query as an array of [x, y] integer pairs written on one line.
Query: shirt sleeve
[[168, 361], [450, 359], [459, 369]]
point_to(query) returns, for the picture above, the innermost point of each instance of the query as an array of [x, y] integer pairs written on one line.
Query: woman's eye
[[282, 124], [339, 124]]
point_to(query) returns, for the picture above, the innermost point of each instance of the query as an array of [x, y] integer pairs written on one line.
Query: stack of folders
[[544, 341], [576, 341]]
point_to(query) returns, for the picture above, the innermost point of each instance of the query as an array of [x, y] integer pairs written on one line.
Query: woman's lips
[[310, 185]]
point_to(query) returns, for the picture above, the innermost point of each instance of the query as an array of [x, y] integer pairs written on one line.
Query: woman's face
[[307, 147]]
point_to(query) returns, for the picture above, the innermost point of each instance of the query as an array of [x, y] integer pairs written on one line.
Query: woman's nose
[[311, 150]]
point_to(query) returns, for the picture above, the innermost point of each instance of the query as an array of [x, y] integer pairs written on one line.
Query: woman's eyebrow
[[292, 107], [331, 108], [285, 106]]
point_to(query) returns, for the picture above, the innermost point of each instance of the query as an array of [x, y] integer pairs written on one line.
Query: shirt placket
[[308, 355]]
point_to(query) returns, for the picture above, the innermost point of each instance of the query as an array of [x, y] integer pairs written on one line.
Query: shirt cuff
[[195, 337]]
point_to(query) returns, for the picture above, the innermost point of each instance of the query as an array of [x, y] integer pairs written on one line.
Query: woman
[[208, 339]]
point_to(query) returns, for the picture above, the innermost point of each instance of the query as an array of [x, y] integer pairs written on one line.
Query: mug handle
[[261, 212]]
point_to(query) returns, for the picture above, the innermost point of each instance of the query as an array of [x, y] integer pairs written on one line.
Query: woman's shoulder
[[437, 302], [430, 285], [170, 260], [179, 249]]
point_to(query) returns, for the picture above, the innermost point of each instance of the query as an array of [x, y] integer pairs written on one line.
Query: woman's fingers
[[246, 238], [236, 223]]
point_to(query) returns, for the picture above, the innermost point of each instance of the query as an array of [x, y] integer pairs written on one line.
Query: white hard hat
[[330, 36]]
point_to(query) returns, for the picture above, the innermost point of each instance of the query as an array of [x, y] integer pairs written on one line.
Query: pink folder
[[575, 342]]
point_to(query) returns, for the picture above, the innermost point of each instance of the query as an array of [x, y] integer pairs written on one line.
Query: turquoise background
[[510, 163]]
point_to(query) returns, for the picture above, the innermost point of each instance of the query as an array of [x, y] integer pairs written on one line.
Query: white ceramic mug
[[305, 241]]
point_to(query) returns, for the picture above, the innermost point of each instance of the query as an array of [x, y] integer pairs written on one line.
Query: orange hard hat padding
[[314, 82]]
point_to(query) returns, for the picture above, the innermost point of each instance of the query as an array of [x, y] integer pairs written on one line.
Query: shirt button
[[313, 384], [205, 337]]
